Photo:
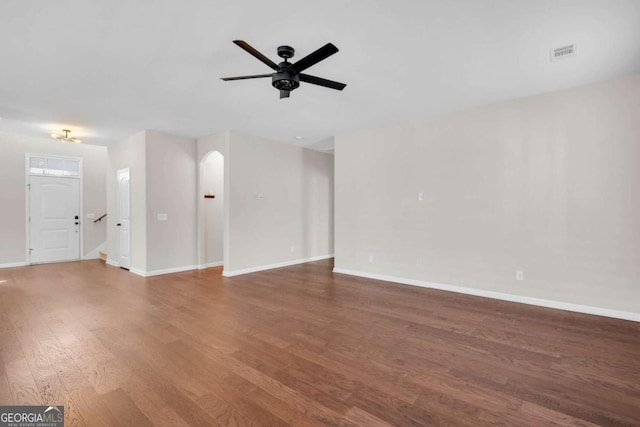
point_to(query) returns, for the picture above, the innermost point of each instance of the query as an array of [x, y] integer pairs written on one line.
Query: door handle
[[77, 223], [118, 225]]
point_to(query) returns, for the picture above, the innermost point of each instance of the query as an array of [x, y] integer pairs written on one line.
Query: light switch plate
[[163, 217]]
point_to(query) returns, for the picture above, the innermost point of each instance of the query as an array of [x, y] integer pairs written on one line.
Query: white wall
[[294, 218], [129, 153], [13, 184], [171, 188], [296, 210], [548, 184], [163, 180], [213, 184]]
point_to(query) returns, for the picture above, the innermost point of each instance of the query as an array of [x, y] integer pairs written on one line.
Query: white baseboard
[[112, 263], [13, 264], [560, 305], [95, 253], [145, 273], [211, 264], [161, 272], [138, 272], [226, 273]]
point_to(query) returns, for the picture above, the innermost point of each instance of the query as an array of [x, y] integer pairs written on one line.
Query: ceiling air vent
[[563, 52]]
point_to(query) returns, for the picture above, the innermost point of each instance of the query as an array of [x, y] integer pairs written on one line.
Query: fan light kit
[[287, 76], [65, 137]]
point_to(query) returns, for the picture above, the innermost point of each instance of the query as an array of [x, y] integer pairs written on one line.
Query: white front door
[[54, 219], [124, 218]]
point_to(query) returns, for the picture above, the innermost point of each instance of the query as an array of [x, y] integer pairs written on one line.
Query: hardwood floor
[[300, 346]]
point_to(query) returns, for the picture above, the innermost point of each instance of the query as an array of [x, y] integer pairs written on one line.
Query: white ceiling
[[109, 68]]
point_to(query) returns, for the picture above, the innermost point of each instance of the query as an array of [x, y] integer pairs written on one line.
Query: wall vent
[[563, 52]]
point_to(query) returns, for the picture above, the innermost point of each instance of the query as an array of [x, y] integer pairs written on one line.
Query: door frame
[[27, 213]]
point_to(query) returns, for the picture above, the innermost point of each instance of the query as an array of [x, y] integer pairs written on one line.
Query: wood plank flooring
[[301, 346]]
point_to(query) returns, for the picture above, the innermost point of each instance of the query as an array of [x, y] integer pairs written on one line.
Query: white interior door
[[124, 218], [54, 219]]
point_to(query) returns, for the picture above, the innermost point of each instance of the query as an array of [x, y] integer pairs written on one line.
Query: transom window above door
[[54, 166]]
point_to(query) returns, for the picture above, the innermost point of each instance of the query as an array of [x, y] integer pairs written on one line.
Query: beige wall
[[171, 189], [294, 218], [547, 184], [129, 153], [12, 194]]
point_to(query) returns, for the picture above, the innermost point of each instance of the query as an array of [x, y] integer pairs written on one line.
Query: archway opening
[[212, 199]]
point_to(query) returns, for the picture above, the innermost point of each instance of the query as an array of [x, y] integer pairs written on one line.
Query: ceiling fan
[[287, 75]]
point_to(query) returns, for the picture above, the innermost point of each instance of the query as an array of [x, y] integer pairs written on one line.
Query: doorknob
[[118, 225], [77, 223]]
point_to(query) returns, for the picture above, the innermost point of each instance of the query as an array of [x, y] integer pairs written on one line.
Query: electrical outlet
[[292, 248], [519, 275], [420, 196], [162, 217], [370, 259]]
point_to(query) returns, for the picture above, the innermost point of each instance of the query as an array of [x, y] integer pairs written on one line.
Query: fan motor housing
[[285, 80]]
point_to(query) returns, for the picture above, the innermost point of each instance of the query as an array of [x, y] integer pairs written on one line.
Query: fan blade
[[284, 94], [321, 82], [246, 46], [313, 58], [257, 76]]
